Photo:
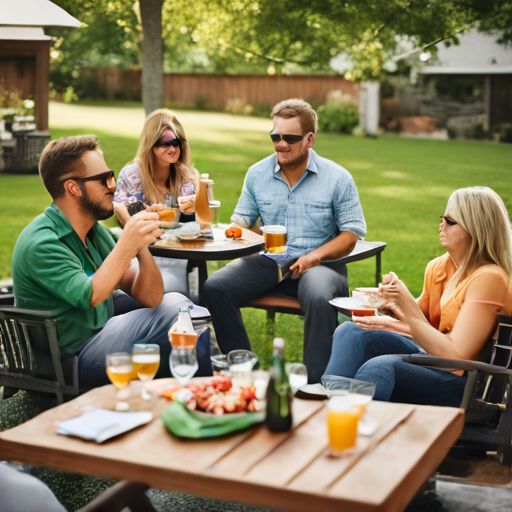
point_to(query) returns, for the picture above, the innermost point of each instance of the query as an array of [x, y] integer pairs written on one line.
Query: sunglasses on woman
[[288, 138], [449, 221], [103, 178], [175, 143]]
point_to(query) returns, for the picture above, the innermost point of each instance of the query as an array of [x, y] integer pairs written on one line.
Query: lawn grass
[[403, 185]]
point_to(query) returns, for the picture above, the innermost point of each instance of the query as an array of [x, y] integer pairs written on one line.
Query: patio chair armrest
[[37, 313], [453, 364], [362, 251]]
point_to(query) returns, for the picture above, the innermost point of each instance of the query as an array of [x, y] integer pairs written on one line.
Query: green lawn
[[403, 184]]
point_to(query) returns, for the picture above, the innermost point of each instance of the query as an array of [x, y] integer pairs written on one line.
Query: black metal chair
[[487, 396]]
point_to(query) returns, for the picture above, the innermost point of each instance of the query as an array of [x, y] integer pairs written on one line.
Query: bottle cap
[[278, 343]]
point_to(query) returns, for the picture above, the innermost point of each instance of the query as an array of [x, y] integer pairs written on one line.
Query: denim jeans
[[367, 355], [142, 325]]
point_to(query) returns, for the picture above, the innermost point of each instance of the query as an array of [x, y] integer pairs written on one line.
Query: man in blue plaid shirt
[[317, 201]]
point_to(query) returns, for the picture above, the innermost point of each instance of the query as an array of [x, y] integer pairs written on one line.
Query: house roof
[[34, 13], [477, 54]]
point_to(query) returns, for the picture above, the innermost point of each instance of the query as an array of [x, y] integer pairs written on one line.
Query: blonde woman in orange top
[[453, 318]]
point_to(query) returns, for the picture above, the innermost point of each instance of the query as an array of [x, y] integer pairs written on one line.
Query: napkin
[[101, 424], [195, 425]]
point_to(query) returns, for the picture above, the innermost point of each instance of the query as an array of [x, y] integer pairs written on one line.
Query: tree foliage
[[237, 36]]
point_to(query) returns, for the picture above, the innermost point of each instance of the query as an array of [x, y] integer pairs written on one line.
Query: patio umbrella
[[34, 13]]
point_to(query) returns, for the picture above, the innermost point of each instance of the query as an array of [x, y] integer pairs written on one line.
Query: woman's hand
[[187, 204], [380, 323], [394, 290]]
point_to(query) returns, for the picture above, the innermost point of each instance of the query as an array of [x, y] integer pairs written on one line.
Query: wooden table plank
[[325, 470], [262, 442], [399, 466]]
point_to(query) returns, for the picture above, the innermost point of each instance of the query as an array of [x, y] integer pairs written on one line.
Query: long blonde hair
[[482, 213], [181, 171]]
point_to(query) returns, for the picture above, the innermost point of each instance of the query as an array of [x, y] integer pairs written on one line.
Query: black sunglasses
[[176, 143], [449, 221], [288, 138], [103, 177]]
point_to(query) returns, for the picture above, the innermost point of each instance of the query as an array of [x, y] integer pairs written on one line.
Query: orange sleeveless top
[[437, 274]]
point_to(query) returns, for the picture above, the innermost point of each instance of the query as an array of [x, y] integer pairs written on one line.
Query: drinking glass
[[240, 364], [358, 392], [342, 421], [275, 238], [120, 373], [145, 361], [297, 375], [183, 363], [218, 359]]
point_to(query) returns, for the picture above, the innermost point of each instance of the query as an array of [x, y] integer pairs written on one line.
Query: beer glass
[[145, 361], [169, 216], [240, 363], [120, 373], [275, 238]]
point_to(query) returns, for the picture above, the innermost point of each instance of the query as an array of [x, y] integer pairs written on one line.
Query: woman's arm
[[121, 213], [474, 325]]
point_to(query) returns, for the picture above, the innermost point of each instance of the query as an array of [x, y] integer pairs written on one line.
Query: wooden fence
[[214, 91]]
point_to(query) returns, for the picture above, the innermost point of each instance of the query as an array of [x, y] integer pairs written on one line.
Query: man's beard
[[99, 212], [298, 159]]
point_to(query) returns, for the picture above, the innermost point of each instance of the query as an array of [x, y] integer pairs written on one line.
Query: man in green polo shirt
[[65, 262]]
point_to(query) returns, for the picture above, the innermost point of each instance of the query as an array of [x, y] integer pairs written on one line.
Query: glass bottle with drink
[[279, 393]]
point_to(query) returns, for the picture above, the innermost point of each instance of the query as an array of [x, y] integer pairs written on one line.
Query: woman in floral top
[[161, 172]]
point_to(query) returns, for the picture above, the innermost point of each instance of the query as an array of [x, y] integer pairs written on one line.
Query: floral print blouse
[[129, 184]]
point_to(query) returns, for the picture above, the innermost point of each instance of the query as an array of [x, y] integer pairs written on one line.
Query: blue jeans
[[366, 355], [142, 325]]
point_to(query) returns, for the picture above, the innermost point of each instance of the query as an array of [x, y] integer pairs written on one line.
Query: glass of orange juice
[[120, 372], [342, 420]]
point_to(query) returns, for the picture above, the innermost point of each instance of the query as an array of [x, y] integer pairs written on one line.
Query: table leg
[[203, 276], [378, 270]]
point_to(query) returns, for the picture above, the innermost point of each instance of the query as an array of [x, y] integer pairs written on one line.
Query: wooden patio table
[[287, 471]]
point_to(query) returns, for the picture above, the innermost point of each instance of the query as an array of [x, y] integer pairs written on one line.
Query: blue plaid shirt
[[322, 204]]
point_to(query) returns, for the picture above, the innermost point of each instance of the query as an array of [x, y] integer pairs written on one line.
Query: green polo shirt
[[52, 270]]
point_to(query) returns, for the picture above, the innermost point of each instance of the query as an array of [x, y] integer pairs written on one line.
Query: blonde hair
[[288, 109], [181, 171], [482, 213]]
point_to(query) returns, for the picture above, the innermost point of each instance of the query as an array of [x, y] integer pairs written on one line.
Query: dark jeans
[[137, 325], [248, 278], [366, 355]]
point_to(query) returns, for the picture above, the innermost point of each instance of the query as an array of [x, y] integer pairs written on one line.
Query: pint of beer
[[275, 238]]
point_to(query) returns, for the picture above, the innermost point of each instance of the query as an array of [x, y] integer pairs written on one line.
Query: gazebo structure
[[24, 65]]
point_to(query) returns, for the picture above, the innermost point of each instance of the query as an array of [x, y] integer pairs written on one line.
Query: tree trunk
[[152, 55]]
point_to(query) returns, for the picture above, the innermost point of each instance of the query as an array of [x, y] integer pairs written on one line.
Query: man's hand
[[140, 231], [305, 262]]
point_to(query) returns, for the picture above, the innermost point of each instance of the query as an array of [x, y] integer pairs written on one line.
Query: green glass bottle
[[279, 393]]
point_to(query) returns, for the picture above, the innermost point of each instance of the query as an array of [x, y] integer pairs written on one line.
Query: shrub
[[238, 106], [338, 114]]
